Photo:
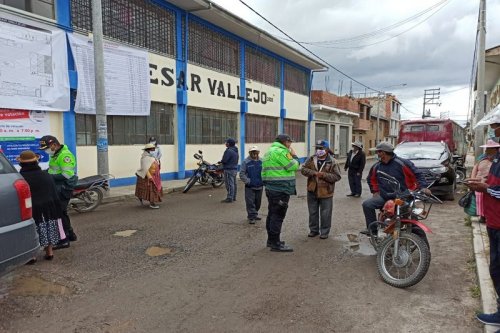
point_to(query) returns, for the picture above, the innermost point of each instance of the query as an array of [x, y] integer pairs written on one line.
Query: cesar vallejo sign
[[164, 76]]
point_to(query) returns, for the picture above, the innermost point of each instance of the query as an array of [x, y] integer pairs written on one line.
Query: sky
[[399, 47]]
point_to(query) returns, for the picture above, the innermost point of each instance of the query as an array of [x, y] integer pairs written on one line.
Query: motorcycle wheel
[[190, 183], [88, 200], [409, 267], [218, 181], [460, 175]]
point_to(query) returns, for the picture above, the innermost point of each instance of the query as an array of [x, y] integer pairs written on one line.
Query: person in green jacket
[[278, 175], [62, 164]]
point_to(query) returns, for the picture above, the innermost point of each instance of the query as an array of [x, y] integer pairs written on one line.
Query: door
[[343, 140], [320, 132], [332, 137]]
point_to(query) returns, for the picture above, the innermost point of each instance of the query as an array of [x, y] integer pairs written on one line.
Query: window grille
[[262, 67], [296, 80], [206, 126], [137, 22], [213, 49], [130, 130], [296, 129], [260, 129]]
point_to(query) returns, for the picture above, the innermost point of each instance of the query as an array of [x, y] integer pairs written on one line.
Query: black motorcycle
[[460, 169], [206, 174], [88, 193]]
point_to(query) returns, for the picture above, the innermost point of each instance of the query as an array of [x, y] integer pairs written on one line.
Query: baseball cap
[[384, 146], [254, 148], [231, 141], [322, 144], [47, 140], [284, 138]]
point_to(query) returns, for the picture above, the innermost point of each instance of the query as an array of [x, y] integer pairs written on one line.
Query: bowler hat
[[27, 156]]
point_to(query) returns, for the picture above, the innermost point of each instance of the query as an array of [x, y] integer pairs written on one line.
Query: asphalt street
[[196, 265]]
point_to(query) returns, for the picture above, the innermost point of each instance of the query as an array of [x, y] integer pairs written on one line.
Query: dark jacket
[[250, 173], [358, 161], [491, 198], [408, 176], [321, 187], [230, 158]]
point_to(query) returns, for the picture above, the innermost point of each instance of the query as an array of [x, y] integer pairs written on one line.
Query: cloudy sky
[[384, 44]]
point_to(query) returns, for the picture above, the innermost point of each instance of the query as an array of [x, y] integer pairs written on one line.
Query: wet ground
[[196, 265]]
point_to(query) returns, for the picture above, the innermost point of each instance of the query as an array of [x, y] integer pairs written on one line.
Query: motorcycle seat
[[88, 181]]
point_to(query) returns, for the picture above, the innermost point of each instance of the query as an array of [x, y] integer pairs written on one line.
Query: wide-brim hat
[[357, 144], [149, 146], [491, 144], [27, 156]]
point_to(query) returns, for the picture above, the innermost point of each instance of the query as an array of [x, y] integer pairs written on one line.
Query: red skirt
[[146, 190]]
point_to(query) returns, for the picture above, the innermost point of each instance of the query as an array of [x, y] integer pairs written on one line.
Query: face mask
[[491, 135], [320, 152], [49, 152]]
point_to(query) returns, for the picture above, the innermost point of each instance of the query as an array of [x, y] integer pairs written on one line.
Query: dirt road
[[214, 274]]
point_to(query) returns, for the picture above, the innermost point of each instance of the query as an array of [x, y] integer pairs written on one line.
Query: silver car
[[18, 237]]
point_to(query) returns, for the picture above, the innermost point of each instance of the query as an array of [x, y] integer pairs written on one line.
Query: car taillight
[[24, 196]]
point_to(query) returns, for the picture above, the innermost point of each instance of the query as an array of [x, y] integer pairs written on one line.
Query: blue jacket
[[250, 173], [230, 158]]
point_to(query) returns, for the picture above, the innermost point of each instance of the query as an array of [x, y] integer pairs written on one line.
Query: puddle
[[357, 244], [35, 286], [125, 233], [156, 251]]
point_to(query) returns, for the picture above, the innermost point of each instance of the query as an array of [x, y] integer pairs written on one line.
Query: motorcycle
[[460, 169], [403, 251], [206, 174], [88, 193]]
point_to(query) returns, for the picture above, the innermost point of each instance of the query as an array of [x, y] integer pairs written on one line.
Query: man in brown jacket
[[322, 173]]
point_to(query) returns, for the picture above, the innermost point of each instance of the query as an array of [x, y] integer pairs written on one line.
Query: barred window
[[129, 130], [213, 49], [43, 8], [137, 22], [260, 129], [262, 67], [296, 129], [207, 126], [296, 80]]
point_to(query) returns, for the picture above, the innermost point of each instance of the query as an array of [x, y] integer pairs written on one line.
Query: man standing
[[355, 162], [230, 166], [322, 173], [278, 174], [491, 210], [62, 164], [403, 170], [250, 174]]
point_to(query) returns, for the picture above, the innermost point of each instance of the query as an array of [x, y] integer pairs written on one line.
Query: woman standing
[[481, 171], [148, 186], [45, 201]]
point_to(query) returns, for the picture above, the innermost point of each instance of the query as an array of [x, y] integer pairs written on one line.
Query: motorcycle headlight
[[441, 169], [418, 208]]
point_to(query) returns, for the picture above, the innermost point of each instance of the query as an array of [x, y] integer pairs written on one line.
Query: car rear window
[[5, 166]]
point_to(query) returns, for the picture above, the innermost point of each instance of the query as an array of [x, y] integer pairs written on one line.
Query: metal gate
[[343, 141]]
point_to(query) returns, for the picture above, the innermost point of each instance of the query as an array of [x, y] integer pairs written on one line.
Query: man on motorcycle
[[403, 170], [62, 164]]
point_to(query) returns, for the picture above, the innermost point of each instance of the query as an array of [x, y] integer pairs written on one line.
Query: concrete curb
[[481, 254]]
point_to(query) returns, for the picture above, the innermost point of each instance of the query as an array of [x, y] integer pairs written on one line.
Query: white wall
[[296, 105], [271, 105]]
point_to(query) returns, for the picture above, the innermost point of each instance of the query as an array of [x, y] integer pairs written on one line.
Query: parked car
[[18, 237], [434, 160]]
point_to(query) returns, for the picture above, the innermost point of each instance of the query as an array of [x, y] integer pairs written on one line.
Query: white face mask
[[491, 134], [320, 152], [49, 152]]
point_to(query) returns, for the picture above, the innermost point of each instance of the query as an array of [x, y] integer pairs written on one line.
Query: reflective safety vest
[[63, 163], [278, 169]]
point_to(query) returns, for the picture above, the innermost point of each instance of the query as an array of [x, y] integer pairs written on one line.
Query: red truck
[[436, 130]]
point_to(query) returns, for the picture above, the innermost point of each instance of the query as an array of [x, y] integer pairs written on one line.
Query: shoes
[[281, 248], [47, 257], [63, 244], [226, 200], [357, 195], [313, 234], [257, 218], [365, 232], [154, 206], [489, 319], [72, 237], [269, 244], [350, 195], [323, 236], [140, 200], [251, 221]]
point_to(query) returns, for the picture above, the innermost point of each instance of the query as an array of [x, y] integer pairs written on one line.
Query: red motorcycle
[[88, 193]]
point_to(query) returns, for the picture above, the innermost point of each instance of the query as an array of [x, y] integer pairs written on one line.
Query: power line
[[305, 48]]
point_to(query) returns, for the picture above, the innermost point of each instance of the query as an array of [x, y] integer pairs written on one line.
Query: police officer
[[62, 164], [278, 175]]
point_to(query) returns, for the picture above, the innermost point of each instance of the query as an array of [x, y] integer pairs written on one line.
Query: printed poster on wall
[[126, 75], [34, 66], [21, 130]]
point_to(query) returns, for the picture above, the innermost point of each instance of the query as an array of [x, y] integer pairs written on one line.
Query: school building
[[209, 74]]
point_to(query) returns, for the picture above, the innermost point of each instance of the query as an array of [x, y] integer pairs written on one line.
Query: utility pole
[[100, 96], [480, 98], [431, 97], [377, 131]]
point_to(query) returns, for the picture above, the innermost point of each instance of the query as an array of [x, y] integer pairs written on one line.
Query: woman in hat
[[148, 186], [46, 207], [481, 171]]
